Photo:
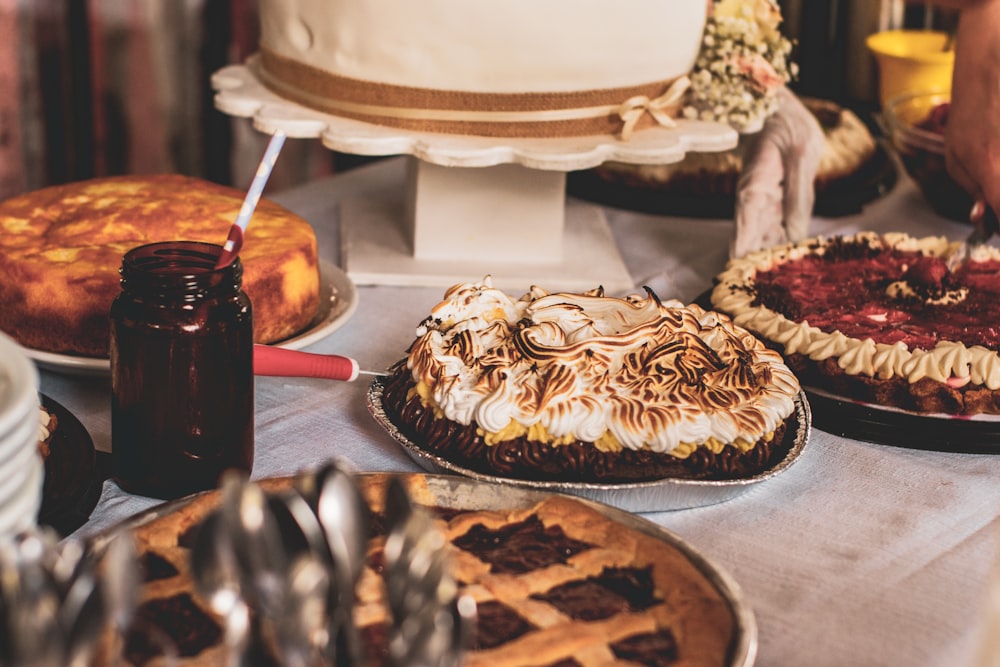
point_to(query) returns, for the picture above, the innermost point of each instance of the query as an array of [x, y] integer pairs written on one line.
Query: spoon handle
[[293, 363]]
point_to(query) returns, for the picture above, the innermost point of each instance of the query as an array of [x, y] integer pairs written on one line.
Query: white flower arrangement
[[743, 61]]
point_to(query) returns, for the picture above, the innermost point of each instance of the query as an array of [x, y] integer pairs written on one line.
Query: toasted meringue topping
[[633, 372]]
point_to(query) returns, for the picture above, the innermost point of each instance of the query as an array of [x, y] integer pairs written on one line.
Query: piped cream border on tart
[[949, 362]]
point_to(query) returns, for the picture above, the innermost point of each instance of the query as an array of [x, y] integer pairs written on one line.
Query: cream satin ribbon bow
[[634, 108]]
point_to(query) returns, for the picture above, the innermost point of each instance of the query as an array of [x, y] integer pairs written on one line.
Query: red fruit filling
[[845, 290]]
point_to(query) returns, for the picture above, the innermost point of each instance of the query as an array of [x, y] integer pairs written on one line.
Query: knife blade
[[278, 361], [984, 226]]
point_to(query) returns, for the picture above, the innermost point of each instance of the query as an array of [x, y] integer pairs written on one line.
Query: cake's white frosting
[[631, 372], [514, 46], [946, 362]]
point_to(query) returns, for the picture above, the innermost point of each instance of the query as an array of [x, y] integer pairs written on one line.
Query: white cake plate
[[470, 205]]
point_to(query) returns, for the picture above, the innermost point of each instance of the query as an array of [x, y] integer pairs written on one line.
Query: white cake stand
[[471, 206]]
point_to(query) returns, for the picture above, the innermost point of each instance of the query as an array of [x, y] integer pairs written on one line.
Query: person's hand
[[972, 133], [775, 192]]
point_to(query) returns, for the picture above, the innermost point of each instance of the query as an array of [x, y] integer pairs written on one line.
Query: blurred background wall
[[101, 87], [830, 42]]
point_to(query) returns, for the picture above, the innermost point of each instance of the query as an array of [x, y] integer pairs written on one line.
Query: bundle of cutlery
[[58, 600], [281, 571]]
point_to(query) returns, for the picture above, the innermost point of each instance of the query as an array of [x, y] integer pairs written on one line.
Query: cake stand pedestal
[[471, 206]]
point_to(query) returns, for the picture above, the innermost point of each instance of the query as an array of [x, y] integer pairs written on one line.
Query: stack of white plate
[[22, 470]]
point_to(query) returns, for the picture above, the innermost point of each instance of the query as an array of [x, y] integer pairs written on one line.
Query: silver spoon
[[413, 584], [32, 600], [302, 632], [304, 518], [433, 623], [261, 555], [82, 616], [253, 530], [343, 514], [307, 632], [122, 584], [217, 577], [421, 592]]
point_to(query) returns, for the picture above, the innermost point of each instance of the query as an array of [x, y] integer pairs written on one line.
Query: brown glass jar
[[181, 370]]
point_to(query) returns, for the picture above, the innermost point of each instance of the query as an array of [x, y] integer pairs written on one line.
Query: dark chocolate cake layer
[[575, 462]]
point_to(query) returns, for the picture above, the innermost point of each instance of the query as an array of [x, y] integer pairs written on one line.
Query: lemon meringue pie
[[587, 387]]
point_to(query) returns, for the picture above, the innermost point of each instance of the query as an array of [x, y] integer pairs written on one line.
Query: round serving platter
[[884, 425], [651, 496], [240, 92], [338, 299], [450, 492]]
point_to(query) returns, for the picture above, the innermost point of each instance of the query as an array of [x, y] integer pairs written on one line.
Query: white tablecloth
[[860, 554]]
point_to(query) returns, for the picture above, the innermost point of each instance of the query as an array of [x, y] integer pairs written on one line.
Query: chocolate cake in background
[[849, 147], [853, 170]]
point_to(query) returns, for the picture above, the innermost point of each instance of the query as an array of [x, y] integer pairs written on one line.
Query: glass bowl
[[915, 122]]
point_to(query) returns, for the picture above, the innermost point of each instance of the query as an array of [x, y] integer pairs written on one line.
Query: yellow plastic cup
[[911, 60]]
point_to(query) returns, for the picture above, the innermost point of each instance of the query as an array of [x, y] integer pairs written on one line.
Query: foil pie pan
[[650, 496]]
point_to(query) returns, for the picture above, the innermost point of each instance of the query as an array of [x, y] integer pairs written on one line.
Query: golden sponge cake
[[61, 248]]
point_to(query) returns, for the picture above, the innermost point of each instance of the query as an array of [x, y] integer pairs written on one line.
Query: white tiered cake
[[511, 68], [498, 101]]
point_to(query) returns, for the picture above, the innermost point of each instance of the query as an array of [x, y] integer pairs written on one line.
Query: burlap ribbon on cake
[[619, 111]]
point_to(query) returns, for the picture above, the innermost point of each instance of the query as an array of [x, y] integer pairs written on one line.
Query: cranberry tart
[[885, 319]]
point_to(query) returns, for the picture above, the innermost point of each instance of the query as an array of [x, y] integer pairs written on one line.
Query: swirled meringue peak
[[633, 372]]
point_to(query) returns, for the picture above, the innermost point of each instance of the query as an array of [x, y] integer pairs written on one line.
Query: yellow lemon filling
[[607, 442]]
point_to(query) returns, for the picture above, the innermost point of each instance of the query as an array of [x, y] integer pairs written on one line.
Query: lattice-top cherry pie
[[557, 582]]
